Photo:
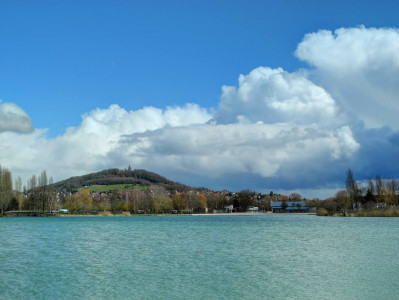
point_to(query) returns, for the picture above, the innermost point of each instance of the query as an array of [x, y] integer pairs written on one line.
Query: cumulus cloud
[[360, 68], [13, 118], [102, 128], [274, 96]]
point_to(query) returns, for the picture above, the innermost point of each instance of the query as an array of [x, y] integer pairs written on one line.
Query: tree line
[[158, 200], [37, 195], [42, 195], [370, 195]]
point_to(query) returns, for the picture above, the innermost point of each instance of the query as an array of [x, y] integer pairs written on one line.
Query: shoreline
[[195, 215], [256, 214], [173, 215]]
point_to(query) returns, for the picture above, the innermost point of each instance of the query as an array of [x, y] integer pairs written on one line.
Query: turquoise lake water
[[199, 257]]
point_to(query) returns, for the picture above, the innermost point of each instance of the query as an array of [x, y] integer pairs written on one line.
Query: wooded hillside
[[117, 176]]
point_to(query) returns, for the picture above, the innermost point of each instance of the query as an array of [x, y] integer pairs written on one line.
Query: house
[[253, 209], [225, 209], [289, 206], [229, 208]]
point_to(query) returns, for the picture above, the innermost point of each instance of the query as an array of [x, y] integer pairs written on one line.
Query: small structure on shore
[[253, 209], [229, 208], [289, 206]]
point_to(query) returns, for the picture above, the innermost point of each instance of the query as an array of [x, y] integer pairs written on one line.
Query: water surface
[[199, 257]]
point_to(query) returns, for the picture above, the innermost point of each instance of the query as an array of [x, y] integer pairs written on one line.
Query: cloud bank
[[274, 130]]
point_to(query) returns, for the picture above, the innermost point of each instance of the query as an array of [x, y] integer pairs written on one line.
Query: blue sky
[[64, 64]]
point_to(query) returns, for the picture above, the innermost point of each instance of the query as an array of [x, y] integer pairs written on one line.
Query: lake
[[199, 257]]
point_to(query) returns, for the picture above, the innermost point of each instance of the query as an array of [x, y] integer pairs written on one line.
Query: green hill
[[108, 177]]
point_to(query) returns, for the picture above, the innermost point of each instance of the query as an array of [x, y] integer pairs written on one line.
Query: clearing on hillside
[[114, 187]]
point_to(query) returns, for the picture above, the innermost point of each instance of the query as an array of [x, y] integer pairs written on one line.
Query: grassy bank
[[393, 212], [389, 212], [105, 213], [118, 214]]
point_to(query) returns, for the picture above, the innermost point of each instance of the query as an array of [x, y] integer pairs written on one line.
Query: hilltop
[[116, 176]]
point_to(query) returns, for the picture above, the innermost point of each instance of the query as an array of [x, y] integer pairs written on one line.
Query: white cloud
[[360, 68], [275, 130], [88, 147], [147, 138], [13, 118], [225, 150], [273, 96]]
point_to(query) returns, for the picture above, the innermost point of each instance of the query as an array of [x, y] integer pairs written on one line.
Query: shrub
[[321, 211], [105, 213]]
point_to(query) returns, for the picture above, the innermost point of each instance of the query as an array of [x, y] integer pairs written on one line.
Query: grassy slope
[[114, 187]]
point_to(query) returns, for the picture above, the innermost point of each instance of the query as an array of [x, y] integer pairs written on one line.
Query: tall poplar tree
[[5, 189], [43, 190], [351, 187]]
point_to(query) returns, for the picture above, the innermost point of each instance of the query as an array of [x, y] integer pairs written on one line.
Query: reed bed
[[390, 212]]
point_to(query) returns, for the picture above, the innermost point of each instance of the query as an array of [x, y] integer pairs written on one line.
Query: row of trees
[[154, 200], [157, 200], [373, 194], [38, 194]]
